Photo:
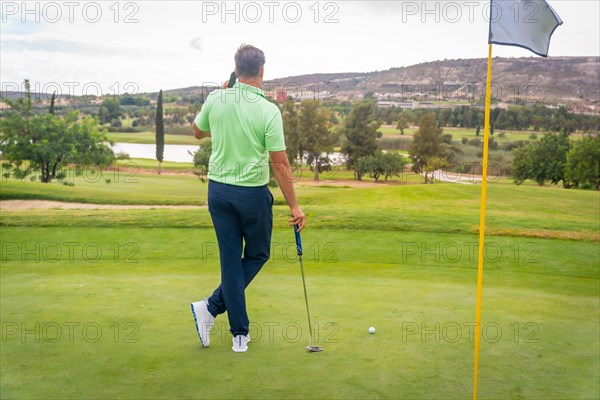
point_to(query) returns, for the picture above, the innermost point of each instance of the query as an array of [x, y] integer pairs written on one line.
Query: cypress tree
[[160, 130], [51, 111]]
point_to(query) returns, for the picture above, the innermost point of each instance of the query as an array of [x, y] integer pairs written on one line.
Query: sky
[[97, 47]]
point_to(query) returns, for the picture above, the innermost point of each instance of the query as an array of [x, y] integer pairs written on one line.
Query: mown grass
[[127, 186], [470, 133], [444, 208], [145, 163], [386, 130], [116, 285], [126, 331], [150, 138]]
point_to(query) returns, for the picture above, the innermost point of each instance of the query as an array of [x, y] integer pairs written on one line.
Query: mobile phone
[[232, 79]]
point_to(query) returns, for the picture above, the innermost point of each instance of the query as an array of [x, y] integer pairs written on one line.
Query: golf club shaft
[[299, 250], [305, 298]]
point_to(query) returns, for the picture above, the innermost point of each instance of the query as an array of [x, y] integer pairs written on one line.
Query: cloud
[[18, 44], [196, 43], [12, 24], [50, 46]]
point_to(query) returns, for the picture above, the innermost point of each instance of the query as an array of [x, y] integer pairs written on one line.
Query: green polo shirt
[[244, 127]]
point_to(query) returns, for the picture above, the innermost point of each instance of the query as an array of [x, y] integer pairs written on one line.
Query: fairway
[[95, 303], [150, 138], [459, 133]]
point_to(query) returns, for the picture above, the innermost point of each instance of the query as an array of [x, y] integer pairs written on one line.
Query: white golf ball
[[371, 330]]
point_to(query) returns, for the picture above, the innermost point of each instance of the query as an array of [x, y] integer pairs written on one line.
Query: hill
[[556, 79]]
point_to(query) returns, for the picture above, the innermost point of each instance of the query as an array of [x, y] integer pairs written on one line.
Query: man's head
[[249, 63]]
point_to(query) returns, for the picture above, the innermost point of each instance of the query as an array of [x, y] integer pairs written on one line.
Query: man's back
[[244, 127]]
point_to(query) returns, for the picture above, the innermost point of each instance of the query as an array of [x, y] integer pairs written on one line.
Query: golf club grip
[[232, 80], [298, 240]]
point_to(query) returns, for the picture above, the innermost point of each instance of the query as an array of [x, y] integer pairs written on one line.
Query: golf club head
[[314, 349]]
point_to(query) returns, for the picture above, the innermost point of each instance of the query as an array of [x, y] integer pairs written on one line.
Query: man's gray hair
[[248, 61]]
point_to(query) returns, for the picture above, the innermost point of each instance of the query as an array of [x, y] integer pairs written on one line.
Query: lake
[[172, 152], [179, 152]]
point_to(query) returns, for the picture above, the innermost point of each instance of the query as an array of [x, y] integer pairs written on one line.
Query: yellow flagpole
[[486, 134]]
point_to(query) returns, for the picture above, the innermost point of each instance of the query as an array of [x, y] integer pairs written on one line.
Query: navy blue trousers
[[243, 221]]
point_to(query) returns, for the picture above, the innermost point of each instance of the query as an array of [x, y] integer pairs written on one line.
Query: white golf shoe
[[240, 343], [204, 321]]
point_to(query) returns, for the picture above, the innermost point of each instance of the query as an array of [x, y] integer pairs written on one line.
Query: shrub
[[475, 142]]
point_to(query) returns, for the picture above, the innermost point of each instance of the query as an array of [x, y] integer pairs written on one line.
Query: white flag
[[523, 23]]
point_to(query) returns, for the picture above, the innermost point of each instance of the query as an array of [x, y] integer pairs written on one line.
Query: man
[[246, 130]]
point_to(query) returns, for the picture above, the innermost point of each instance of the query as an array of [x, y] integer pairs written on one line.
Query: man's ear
[[261, 73]]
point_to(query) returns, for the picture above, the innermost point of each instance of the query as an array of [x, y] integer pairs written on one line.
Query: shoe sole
[[240, 351], [197, 326]]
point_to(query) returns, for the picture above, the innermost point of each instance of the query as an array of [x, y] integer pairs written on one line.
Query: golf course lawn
[[150, 138], [458, 133], [95, 303]]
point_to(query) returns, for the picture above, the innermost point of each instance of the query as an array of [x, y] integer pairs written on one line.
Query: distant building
[[308, 94], [281, 95], [403, 105]]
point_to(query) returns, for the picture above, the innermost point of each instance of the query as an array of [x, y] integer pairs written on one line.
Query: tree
[[467, 117], [552, 156], [477, 130], [523, 165], [46, 143], [389, 115], [503, 121], [51, 110], [368, 165], [393, 164], [109, 111], [370, 95], [433, 164], [542, 160], [402, 123], [410, 116], [381, 164], [361, 131], [316, 135], [377, 166], [202, 156], [427, 143], [583, 163], [160, 130], [293, 143]]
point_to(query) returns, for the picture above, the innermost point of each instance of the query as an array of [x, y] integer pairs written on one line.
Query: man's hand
[[298, 218]]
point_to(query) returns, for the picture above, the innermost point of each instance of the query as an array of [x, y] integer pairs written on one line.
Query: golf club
[[310, 347], [232, 80]]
